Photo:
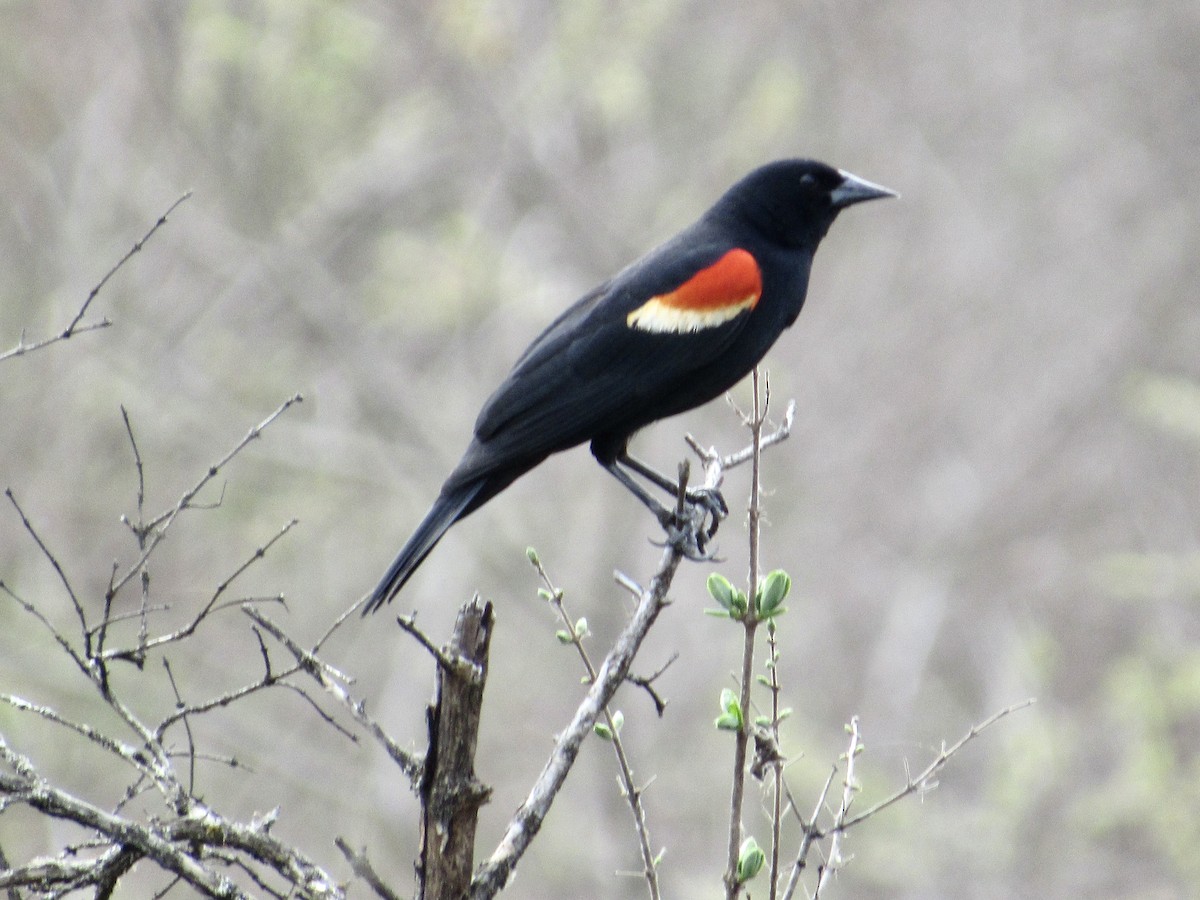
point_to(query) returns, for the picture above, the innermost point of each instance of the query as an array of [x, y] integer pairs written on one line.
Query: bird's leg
[[709, 498], [682, 528]]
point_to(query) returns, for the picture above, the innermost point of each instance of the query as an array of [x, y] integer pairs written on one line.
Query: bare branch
[[157, 527], [850, 788], [75, 327], [810, 832], [363, 869], [923, 781], [750, 622], [733, 460], [526, 822], [162, 220], [633, 794], [59, 637], [123, 751], [62, 576], [409, 625], [145, 644], [332, 680], [49, 800]]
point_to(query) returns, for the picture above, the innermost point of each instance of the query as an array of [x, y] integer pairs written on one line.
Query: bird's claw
[[714, 507], [688, 538], [687, 531]]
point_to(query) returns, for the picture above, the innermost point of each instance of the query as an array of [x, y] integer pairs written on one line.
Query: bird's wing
[[612, 359]]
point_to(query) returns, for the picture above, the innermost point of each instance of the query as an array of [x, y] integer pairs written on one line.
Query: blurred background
[[992, 490]]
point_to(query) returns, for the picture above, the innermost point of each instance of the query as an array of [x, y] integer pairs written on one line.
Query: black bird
[[669, 332]]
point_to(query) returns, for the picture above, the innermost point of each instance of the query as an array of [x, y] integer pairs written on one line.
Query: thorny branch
[[850, 788], [922, 782]]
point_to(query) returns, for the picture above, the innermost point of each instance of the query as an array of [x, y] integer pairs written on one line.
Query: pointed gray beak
[[855, 190]]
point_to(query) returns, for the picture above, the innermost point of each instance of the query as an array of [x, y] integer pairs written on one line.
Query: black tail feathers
[[445, 512]]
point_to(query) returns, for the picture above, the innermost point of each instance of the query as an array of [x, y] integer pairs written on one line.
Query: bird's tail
[[448, 509]]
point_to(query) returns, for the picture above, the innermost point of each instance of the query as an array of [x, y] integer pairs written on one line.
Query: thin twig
[[62, 576], [332, 681], [162, 220], [127, 753], [146, 644], [646, 683], [59, 637], [776, 764], [75, 327], [750, 622], [809, 831], [140, 535], [187, 727], [924, 780], [157, 527], [849, 791], [633, 794], [409, 625], [363, 869]]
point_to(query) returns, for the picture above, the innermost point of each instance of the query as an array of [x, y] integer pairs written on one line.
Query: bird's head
[[794, 201]]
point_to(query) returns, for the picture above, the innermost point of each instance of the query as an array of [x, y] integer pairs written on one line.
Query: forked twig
[[75, 326]]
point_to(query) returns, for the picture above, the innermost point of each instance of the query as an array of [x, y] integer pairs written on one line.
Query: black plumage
[[673, 330]]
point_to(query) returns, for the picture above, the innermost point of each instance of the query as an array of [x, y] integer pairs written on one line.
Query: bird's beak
[[856, 190]]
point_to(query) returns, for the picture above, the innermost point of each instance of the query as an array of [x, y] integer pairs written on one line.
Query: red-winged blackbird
[[669, 332]]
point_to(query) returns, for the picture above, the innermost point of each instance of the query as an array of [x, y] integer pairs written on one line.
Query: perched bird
[[669, 332]]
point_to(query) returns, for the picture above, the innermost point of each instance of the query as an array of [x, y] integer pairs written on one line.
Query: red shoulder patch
[[714, 295]]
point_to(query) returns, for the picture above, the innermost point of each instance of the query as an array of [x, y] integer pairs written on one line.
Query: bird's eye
[[808, 179]]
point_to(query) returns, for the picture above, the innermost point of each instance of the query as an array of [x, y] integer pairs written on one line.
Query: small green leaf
[[763, 680], [545, 595], [564, 637], [750, 860], [581, 628], [731, 718], [731, 600], [762, 721], [719, 613], [771, 593], [602, 731], [721, 590], [618, 719]]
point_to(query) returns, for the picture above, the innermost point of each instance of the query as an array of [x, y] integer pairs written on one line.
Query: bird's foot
[[688, 536], [691, 530], [713, 507]]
